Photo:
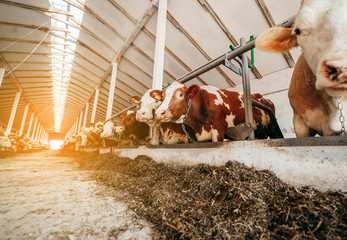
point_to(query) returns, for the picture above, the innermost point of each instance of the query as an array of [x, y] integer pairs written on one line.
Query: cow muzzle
[[335, 69], [334, 73], [164, 115], [119, 129]]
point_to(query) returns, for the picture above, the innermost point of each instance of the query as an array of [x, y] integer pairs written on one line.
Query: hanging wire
[[23, 37], [50, 29]]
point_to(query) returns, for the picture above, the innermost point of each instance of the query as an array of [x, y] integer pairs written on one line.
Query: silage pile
[[210, 202]]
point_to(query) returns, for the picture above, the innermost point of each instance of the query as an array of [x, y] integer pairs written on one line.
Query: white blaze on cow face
[[147, 107], [173, 91], [107, 130]]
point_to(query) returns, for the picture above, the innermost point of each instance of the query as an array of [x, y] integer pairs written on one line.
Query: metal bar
[[23, 120], [79, 122], [160, 46], [111, 91], [30, 123], [13, 114], [96, 98], [230, 55], [85, 115], [247, 91]]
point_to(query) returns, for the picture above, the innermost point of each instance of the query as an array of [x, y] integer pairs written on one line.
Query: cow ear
[[276, 39], [157, 95], [135, 99], [192, 91]]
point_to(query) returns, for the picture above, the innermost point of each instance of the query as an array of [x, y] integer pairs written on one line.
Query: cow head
[[108, 130], [126, 119], [175, 102], [149, 102], [320, 29]]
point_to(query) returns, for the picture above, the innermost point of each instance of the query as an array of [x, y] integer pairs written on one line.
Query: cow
[[5, 142], [168, 133], [131, 130], [91, 134], [318, 88], [208, 110]]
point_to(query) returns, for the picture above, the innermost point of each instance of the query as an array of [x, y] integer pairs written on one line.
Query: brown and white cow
[[131, 129], [319, 79], [171, 133], [211, 110]]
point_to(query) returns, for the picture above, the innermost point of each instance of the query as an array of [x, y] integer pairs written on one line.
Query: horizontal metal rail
[[214, 63]]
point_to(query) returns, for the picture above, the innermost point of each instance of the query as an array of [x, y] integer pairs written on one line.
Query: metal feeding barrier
[[238, 54]]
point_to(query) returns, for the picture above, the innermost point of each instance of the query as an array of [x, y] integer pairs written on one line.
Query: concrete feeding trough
[[320, 162]]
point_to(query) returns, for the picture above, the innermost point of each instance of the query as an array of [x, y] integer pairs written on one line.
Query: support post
[[34, 129], [23, 120], [75, 127], [85, 115], [79, 122], [111, 90], [13, 113], [39, 126], [160, 46], [247, 91], [96, 98], [30, 123]]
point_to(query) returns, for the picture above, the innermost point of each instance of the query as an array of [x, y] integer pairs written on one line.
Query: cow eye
[[297, 31], [181, 94]]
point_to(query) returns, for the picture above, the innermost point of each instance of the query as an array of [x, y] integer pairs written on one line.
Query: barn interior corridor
[[45, 196]]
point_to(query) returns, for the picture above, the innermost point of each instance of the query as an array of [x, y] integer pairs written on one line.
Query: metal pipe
[[247, 91], [230, 55]]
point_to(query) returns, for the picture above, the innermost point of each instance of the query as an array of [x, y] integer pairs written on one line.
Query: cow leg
[[217, 136], [300, 128]]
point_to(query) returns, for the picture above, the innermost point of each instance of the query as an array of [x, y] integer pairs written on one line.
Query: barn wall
[[275, 87]]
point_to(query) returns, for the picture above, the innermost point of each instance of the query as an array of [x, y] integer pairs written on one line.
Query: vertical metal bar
[[79, 122], [111, 90], [96, 98], [160, 46], [37, 131], [23, 120], [85, 115], [34, 129], [30, 123], [13, 113], [246, 90]]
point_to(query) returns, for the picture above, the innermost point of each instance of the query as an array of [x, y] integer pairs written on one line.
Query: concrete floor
[[45, 196]]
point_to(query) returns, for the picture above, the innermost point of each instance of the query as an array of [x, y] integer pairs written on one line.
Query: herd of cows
[[181, 114], [16, 143], [317, 92]]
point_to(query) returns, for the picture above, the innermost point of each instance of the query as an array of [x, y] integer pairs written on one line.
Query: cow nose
[[336, 69], [161, 113]]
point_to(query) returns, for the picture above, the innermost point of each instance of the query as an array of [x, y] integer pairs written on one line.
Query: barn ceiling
[[57, 52]]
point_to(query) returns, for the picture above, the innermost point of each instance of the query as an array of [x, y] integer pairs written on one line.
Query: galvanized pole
[[111, 90], [13, 113], [79, 122], [96, 98], [23, 120], [247, 91], [85, 115], [160, 46], [30, 123], [34, 129]]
